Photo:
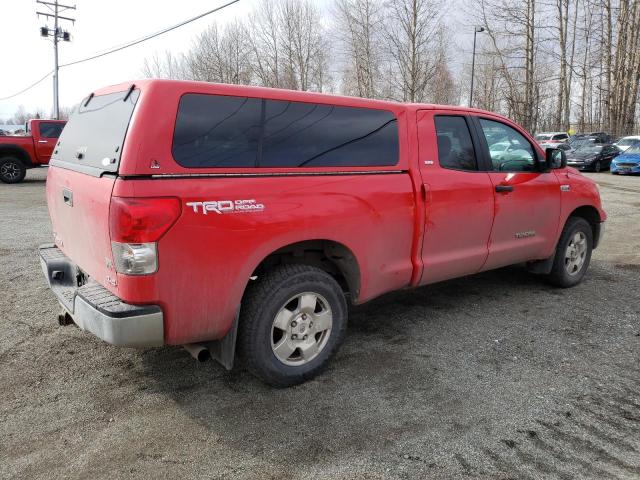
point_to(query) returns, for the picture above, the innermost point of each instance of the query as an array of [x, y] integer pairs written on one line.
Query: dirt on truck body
[[218, 216]]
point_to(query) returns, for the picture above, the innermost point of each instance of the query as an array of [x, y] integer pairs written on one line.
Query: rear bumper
[[96, 310]]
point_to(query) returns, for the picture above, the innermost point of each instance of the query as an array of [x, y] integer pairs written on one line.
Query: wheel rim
[[301, 329], [597, 167], [10, 170], [576, 253]]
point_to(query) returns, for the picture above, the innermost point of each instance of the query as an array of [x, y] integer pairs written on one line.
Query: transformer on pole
[[57, 34]]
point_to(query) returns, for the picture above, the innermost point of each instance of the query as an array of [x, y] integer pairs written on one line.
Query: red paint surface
[[38, 149], [414, 225]]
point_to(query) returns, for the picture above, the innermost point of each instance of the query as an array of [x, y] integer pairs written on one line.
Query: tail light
[[135, 225]]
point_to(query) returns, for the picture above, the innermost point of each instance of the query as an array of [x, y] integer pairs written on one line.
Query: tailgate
[[79, 210], [82, 173]]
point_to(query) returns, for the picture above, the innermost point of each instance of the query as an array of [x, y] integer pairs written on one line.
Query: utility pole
[[476, 31], [57, 34]]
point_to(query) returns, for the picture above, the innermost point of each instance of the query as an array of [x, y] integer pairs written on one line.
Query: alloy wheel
[[576, 253], [301, 329]]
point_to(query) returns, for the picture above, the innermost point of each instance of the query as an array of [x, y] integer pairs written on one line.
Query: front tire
[[291, 323], [12, 170], [573, 253], [597, 167]]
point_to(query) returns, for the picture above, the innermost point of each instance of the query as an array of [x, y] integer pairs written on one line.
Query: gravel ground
[[492, 376]]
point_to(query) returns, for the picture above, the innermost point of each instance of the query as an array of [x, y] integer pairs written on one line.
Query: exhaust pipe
[[198, 351]]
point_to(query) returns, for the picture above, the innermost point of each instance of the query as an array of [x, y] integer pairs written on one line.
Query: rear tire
[[277, 335], [573, 253], [12, 170]]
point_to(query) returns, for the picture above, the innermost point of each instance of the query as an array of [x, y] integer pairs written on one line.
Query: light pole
[[476, 31]]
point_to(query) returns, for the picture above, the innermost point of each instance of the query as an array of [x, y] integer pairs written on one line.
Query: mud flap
[[541, 266], [224, 350]]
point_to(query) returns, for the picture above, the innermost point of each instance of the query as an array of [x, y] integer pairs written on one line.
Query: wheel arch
[[17, 152], [592, 216], [331, 256]]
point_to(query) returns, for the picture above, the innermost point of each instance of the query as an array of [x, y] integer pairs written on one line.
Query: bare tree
[[221, 56], [359, 25], [265, 44], [412, 36], [167, 66], [303, 45]]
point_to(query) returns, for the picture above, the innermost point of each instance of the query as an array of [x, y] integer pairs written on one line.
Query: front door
[[458, 197], [48, 135], [527, 201]]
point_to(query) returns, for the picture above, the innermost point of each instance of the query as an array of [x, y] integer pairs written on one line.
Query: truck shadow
[[411, 361]]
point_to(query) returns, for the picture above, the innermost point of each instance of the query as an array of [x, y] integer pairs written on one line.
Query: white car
[[625, 142], [552, 137], [502, 151]]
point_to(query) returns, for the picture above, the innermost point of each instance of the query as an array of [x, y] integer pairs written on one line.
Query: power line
[[29, 87], [126, 45], [149, 37]]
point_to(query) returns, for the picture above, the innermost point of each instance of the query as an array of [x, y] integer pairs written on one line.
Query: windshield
[[540, 137], [634, 149], [589, 149], [625, 142]]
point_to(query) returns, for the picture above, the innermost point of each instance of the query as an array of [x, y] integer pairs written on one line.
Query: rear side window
[[222, 131], [562, 136], [50, 130], [455, 148]]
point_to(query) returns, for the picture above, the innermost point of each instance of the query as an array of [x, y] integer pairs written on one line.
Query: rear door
[[45, 139], [459, 197], [527, 201], [81, 178]]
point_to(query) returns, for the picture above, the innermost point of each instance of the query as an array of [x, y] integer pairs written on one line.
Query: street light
[[476, 31]]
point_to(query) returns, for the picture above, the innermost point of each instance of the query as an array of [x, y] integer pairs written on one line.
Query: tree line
[[548, 64], [558, 64], [392, 49]]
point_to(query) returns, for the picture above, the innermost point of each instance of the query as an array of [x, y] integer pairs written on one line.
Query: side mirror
[[555, 158]]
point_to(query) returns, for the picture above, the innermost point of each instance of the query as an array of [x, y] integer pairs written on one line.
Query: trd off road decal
[[226, 206]]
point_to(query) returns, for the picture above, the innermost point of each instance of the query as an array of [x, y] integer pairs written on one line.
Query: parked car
[[208, 215], [20, 153], [504, 151], [628, 161], [625, 142], [592, 157], [552, 137], [562, 146]]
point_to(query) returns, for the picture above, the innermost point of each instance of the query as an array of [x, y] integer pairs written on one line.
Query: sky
[[99, 25]]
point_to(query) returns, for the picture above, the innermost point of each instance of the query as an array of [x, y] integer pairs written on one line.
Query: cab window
[[455, 148], [51, 130], [509, 150]]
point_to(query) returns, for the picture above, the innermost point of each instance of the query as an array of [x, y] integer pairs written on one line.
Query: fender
[[19, 152]]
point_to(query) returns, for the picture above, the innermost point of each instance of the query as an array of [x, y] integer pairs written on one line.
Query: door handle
[[42, 141], [67, 196], [504, 188]]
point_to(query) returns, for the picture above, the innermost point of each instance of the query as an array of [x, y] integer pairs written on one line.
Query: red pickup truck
[[18, 153], [211, 216]]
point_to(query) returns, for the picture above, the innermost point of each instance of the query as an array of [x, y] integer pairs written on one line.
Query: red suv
[[219, 216]]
